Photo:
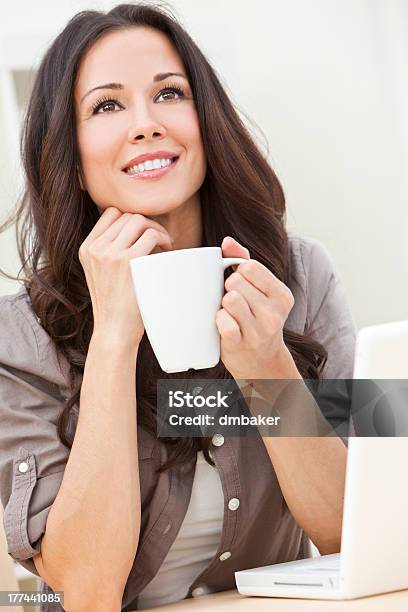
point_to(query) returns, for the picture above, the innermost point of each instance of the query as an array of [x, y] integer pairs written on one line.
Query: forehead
[[137, 53]]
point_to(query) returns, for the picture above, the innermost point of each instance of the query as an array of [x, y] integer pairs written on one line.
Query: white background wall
[[325, 81]]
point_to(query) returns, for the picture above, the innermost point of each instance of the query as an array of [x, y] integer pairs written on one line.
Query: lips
[[155, 173], [146, 156]]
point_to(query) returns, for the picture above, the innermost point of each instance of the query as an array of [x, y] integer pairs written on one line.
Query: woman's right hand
[[105, 255]]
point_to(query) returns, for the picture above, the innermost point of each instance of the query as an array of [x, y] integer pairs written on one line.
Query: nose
[[145, 127], [145, 133]]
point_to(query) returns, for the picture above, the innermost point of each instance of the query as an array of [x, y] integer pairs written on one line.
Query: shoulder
[[310, 260], [19, 301], [323, 304], [311, 272], [25, 344], [18, 330]]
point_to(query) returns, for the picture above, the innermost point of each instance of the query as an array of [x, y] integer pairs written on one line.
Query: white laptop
[[374, 545]]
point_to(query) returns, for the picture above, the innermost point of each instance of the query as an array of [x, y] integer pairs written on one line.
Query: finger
[[232, 248], [134, 228], [262, 278], [256, 300], [109, 216], [228, 328], [114, 230], [236, 305], [130, 226], [148, 241]]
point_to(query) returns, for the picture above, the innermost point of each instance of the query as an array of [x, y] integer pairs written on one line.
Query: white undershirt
[[196, 542]]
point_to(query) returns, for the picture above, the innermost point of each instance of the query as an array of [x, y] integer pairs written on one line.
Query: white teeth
[[150, 164]]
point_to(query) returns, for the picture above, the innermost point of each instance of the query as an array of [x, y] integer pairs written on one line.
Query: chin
[[154, 209]]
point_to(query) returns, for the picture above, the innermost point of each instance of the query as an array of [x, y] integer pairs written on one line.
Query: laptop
[[374, 545]]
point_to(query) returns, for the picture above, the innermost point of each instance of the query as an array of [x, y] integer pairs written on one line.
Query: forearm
[[308, 457], [311, 474], [93, 526]]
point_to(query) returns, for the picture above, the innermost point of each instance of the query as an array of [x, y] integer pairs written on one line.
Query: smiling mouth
[[154, 172]]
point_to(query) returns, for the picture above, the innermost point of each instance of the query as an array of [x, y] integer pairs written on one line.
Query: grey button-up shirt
[[258, 528]]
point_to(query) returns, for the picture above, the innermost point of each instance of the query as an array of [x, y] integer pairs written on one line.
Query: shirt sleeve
[[32, 457], [330, 321]]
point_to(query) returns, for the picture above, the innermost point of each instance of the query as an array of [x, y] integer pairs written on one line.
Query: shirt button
[[197, 390], [233, 503], [198, 591], [225, 555], [218, 439], [167, 528], [23, 467]]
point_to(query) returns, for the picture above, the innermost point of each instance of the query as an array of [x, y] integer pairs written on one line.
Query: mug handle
[[232, 261]]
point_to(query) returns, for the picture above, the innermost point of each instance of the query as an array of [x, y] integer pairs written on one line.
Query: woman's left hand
[[254, 310]]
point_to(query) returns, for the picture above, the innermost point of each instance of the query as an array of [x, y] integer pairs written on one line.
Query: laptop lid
[[374, 551]]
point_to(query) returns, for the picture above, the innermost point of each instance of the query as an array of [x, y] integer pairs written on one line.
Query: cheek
[[186, 130], [96, 145], [195, 147], [96, 150]]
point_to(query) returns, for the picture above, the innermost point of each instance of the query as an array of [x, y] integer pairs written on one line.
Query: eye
[[102, 103], [173, 89], [175, 93]]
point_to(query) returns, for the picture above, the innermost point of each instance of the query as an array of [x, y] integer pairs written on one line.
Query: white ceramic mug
[[179, 293]]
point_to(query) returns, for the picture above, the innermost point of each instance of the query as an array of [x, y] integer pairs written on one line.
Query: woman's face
[[144, 115]]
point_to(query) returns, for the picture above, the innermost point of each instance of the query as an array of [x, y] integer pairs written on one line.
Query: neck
[[184, 224]]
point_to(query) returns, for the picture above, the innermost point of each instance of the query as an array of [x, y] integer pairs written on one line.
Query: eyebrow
[[157, 77]]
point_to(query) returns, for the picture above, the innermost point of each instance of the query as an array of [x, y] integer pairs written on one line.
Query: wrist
[[113, 343], [284, 366], [280, 366]]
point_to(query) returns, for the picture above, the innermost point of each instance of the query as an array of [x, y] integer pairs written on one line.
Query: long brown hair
[[240, 196]]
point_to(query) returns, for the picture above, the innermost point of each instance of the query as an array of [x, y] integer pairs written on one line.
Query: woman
[[95, 504]]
